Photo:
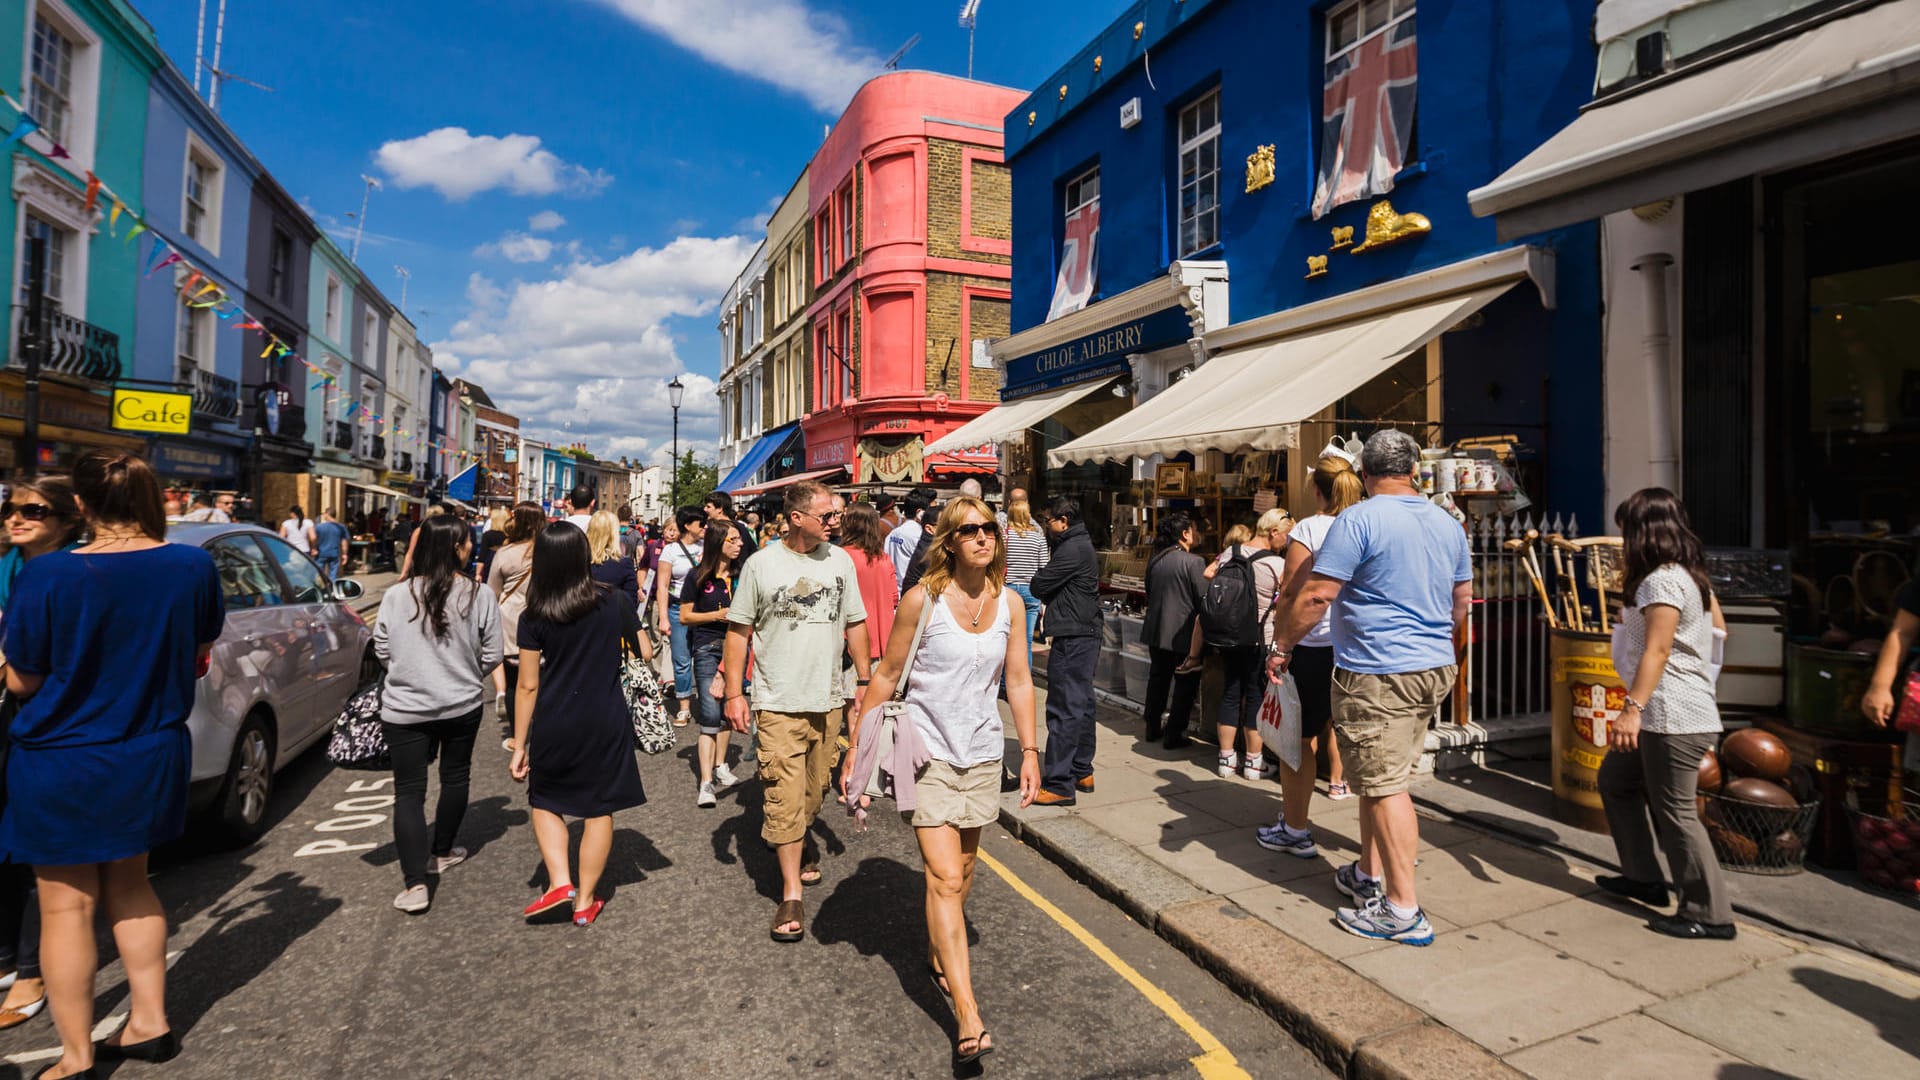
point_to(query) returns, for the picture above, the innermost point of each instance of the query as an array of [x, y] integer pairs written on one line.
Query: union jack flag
[[1367, 118], [1079, 273]]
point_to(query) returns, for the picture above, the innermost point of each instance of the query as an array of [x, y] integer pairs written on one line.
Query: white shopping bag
[[1280, 720]]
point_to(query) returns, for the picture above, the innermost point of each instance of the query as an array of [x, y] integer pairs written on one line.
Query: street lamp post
[[675, 391]]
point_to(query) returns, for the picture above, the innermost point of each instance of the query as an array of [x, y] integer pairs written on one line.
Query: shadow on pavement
[[487, 820], [629, 861], [1891, 1013]]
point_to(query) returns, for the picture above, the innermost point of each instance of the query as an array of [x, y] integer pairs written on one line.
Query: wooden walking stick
[[1522, 545], [1564, 566]]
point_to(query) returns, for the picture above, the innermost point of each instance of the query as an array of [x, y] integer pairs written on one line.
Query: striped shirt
[[1026, 554]]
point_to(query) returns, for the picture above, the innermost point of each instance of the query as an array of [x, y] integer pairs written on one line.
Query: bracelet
[[730, 697], [861, 682], [1632, 704], [1029, 749]]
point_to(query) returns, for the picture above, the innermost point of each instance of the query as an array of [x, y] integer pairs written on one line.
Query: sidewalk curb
[[1352, 1025]]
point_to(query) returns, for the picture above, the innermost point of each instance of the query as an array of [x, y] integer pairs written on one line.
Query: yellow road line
[[1215, 1062]]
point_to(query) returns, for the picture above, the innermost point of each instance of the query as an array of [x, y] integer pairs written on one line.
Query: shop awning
[[461, 486], [376, 489], [1011, 421], [787, 481], [465, 508], [1254, 398], [1840, 87], [756, 458]]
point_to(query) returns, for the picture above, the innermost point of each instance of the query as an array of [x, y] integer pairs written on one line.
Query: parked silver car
[[292, 652]]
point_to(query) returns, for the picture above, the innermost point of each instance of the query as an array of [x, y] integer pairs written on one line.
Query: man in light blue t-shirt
[[1397, 573]]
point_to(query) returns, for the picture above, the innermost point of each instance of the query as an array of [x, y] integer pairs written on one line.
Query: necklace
[[979, 605]]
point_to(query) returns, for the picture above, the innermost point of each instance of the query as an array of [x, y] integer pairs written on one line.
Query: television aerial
[[893, 62]]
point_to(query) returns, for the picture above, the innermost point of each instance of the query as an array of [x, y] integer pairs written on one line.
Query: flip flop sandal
[[810, 864], [789, 911], [981, 1047], [939, 980]]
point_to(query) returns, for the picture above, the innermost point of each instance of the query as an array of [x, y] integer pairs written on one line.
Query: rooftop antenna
[[360, 222], [893, 62], [969, 15], [215, 73], [406, 275]]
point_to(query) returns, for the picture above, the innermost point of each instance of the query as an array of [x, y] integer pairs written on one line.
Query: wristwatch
[[1273, 650]]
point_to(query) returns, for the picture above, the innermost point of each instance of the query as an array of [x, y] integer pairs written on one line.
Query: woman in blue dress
[[103, 645]]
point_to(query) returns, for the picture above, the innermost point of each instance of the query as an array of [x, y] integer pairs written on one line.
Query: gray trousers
[[1661, 780]]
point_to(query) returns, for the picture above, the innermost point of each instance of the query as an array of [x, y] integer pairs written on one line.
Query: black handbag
[[359, 741]]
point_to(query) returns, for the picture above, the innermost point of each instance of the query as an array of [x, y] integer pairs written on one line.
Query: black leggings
[[413, 746]]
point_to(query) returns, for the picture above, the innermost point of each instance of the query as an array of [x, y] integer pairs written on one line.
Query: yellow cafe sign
[[159, 411]]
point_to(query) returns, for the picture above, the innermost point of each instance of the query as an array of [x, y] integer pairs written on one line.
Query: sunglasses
[[27, 511], [973, 529], [828, 517]]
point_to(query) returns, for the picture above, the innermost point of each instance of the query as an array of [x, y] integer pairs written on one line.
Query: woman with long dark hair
[[439, 636], [1670, 721], [507, 577], [968, 644], [704, 599], [1169, 631], [40, 517], [103, 646], [579, 762], [298, 531]]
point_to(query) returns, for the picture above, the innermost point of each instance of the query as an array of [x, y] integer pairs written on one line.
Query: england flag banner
[[1078, 274], [1367, 118]]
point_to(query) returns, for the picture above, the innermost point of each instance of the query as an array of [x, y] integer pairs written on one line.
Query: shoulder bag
[[646, 703], [358, 740], [881, 723]]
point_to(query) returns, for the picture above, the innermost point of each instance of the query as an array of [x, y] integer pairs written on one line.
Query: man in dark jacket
[[1175, 586], [1069, 585]]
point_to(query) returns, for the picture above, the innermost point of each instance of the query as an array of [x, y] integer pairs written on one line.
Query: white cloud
[[782, 42], [586, 355], [460, 165], [545, 221], [517, 247]]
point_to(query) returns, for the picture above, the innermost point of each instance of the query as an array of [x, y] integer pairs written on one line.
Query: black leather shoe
[[1651, 893], [1176, 741], [84, 1074], [164, 1047], [1675, 926]]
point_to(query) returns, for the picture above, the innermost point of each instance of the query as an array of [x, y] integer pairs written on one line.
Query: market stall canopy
[[786, 481], [1254, 398], [1843, 86], [376, 489], [1011, 421], [756, 458]]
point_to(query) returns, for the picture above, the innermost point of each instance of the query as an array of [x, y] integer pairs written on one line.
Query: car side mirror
[[347, 589]]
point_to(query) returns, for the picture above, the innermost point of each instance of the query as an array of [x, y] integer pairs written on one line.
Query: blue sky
[[574, 183]]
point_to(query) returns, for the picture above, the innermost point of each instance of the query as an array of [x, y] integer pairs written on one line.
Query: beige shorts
[[1382, 724], [946, 794], [797, 751]]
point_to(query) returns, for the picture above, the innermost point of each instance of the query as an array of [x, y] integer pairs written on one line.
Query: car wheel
[[249, 786]]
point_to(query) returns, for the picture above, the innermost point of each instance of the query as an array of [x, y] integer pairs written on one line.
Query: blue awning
[[461, 487], [747, 472]]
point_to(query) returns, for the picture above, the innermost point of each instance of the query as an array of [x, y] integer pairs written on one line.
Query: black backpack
[[1230, 609]]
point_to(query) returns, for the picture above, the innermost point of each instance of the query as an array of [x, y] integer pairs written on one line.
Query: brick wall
[[992, 202], [989, 319]]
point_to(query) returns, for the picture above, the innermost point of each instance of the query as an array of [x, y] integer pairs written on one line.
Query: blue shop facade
[[1241, 227]]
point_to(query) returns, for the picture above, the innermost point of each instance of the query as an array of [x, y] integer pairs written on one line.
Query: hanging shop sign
[[196, 462], [891, 462], [157, 411], [1098, 355]]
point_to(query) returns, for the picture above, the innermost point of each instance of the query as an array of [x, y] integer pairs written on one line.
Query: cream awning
[[1842, 86], [378, 489], [1254, 398], [1011, 420]]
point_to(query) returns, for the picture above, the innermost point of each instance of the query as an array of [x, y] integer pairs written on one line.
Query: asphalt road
[[288, 960]]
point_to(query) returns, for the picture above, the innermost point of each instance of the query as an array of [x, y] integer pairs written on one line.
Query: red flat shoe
[[585, 916], [556, 896]]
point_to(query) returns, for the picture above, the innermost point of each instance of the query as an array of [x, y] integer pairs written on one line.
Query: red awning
[[773, 485]]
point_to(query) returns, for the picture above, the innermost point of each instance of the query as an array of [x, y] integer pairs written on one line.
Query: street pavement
[[1533, 970], [288, 960]]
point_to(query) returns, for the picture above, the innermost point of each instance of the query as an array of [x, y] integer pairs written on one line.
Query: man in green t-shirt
[[797, 605]]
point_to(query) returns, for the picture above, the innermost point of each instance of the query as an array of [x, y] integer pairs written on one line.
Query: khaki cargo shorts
[[965, 798], [796, 752], [1382, 724]]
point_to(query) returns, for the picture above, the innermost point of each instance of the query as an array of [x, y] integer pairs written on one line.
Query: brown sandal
[[789, 911], [810, 864]]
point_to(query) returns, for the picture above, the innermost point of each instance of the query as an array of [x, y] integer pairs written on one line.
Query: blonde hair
[[1334, 478], [940, 561], [497, 519], [1239, 534], [1272, 521], [603, 536], [1020, 516]]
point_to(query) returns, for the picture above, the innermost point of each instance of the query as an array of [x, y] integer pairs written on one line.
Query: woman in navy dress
[[573, 736], [103, 645]]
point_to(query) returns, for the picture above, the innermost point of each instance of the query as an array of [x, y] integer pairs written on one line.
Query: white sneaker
[[705, 798], [723, 778], [440, 864], [1258, 767], [1229, 763], [414, 901]]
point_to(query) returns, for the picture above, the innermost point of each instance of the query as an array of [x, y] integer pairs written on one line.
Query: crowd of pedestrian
[[867, 642]]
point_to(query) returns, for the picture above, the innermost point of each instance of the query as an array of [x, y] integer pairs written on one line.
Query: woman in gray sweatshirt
[[439, 635]]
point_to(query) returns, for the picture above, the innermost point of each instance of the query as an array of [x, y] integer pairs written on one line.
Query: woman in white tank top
[[951, 696]]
